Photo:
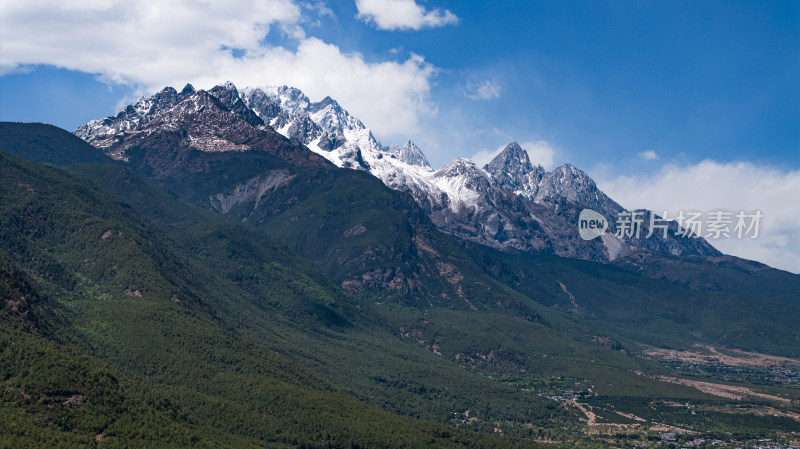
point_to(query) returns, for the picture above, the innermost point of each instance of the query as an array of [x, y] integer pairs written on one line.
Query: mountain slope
[[46, 144], [287, 298], [656, 312], [273, 188], [718, 274], [139, 303], [377, 244], [52, 393], [427, 289]]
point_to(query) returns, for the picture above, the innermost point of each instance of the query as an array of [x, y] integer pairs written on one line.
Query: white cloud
[[388, 96], [320, 8], [151, 44], [540, 152], [710, 186], [402, 15], [487, 90], [649, 155]]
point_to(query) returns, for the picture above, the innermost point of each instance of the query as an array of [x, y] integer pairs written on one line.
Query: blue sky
[[607, 80], [636, 93]]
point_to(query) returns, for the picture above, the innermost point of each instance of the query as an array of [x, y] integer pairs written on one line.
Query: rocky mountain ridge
[[461, 198], [507, 204]]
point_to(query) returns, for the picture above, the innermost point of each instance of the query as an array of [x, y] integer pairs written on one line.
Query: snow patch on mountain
[[324, 127], [103, 133], [463, 183], [330, 131], [410, 154]]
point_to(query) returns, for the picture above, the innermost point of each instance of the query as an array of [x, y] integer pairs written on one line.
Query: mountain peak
[[513, 160], [571, 173], [514, 149], [229, 96], [512, 170], [324, 127], [290, 98], [412, 155], [167, 91], [324, 103], [101, 132], [576, 185], [187, 90], [459, 167]]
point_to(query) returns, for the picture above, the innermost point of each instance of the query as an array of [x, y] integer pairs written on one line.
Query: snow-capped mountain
[[170, 109], [103, 133], [508, 204], [192, 120], [410, 154], [512, 170], [461, 198], [324, 127]]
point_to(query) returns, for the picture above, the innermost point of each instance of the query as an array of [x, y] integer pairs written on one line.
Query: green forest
[[134, 317]]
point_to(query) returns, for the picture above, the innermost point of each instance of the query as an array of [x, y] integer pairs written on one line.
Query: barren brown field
[[725, 391], [704, 354]]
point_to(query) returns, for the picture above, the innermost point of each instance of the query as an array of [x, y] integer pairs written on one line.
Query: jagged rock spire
[[412, 155], [513, 160], [512, 169]]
